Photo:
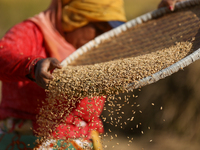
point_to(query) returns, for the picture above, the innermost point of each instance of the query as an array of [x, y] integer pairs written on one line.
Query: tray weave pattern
[[148, 33]]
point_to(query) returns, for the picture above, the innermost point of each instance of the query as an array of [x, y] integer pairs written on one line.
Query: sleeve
[[20, 49]]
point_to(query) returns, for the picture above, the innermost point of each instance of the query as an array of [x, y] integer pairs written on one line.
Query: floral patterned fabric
[[16, 134]]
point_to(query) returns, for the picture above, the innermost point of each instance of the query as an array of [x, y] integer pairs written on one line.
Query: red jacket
[[20, 46]]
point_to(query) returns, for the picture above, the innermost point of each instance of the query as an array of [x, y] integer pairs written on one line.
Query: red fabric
[[18, 48], [21, 97], [89, 111], [55, 44]]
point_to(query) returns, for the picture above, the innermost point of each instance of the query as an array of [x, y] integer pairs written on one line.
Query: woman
[[31, 49]]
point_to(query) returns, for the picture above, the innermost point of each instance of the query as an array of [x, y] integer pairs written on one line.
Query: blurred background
[[167, 113]]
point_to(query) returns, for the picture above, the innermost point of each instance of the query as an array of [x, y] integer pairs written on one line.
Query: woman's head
[[83, 20], [80, 36], [78, 13]]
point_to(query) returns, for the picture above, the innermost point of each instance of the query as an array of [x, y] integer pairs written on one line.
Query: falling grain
[[72, 83]]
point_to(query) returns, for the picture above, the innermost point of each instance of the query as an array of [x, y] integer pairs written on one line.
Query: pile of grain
[[114, 76], [71, 83]]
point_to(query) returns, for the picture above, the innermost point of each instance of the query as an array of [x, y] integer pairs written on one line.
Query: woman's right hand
[[169, 3], [42, 71]]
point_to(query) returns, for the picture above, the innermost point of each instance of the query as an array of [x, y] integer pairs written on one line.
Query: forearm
[[15, 68]]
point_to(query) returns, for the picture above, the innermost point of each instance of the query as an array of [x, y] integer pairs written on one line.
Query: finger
[[168, 3], [40, 82], [44, 79], [54, 63], [43, 82], [46, 75], [171, 5]]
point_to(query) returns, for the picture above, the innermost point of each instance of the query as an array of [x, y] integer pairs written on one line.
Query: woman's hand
[[42, 71], [169, 3]]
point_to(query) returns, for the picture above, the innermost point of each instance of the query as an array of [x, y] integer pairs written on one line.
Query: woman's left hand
[[169, 3]]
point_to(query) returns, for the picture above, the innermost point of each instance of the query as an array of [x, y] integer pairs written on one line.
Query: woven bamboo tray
[[145, 34]]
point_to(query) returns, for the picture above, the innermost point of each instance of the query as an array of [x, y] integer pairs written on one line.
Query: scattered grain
[[72, 83]]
